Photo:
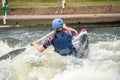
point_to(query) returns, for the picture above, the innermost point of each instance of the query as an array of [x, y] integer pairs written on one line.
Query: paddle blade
[[12, 54]]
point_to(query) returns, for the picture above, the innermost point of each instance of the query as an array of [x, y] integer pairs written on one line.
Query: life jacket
[[62, 43]]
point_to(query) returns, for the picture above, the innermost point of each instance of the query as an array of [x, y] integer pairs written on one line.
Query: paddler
[[61, 39]]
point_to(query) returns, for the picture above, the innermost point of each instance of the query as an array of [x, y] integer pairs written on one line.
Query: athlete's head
[[57, 23]]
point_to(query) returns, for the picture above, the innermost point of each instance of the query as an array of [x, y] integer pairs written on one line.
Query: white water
[[103, 63]]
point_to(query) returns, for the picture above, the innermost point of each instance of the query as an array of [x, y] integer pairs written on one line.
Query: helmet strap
[[58, 30]]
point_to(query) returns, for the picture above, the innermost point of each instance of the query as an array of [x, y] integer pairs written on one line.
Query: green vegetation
[[36, 3], [32, 4]]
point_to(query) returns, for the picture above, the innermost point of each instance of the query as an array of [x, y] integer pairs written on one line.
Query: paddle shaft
[[45, 36]]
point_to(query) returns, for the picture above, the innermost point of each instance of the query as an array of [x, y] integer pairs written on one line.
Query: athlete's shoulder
[[49, 37]]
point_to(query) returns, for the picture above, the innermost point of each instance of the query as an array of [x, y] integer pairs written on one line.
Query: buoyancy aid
[[62, 43]]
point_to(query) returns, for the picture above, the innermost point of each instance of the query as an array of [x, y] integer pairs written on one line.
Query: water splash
[[103, 62], [33, 65]]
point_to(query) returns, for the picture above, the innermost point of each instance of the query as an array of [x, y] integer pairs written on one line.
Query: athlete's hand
[[34, 43], [39, 47], [64, 26]]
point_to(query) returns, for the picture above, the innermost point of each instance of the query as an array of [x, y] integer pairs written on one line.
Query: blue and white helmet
[[57, 23]]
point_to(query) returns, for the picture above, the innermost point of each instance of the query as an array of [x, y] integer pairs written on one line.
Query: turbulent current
[[102, 63]]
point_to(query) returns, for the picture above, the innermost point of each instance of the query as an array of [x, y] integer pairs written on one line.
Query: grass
[[36, 4], [31, 4], [93, 3]]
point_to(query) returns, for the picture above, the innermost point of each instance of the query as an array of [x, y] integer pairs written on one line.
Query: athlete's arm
[[45, 45], [65, 27]]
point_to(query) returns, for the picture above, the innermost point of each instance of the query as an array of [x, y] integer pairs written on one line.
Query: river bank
[[76, 14]]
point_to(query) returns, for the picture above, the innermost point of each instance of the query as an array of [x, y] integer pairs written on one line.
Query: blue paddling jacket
[[62, 42]]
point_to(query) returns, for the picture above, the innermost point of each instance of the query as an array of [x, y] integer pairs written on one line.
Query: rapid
[[102, 63]]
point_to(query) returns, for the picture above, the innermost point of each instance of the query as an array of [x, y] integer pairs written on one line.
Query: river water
[[102, 63]]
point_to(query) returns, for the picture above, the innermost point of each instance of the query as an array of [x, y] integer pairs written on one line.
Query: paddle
[[15, 52]]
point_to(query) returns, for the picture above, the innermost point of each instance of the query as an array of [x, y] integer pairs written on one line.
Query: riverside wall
[[71, 14]]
